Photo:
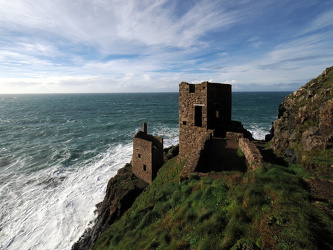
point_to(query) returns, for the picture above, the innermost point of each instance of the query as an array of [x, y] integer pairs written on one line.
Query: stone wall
[[198, 154], [234, 135], [251, 153], [191, 97], [198, 151], [219, 104], [142, 159]]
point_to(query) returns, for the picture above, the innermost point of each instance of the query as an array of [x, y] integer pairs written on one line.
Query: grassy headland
[[269, 208], [278, 206]]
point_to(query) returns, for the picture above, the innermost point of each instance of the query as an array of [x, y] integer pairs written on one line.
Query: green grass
[[319, 162], [323, 157], [240, 153], [268, 208]]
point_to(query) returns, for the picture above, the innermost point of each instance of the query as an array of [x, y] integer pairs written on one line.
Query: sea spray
[[51, 208]]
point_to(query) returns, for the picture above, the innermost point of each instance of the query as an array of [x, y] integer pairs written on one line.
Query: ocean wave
[[169, 134], [258, 133], [55, 201]]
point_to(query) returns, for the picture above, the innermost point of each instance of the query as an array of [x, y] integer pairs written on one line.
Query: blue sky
[[89, 46]]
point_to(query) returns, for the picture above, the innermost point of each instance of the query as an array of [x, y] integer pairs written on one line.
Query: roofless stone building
[[202, 107], [147, 156], [208, 138]]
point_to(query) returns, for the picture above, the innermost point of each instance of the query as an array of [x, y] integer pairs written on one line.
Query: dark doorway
[[198, 116]]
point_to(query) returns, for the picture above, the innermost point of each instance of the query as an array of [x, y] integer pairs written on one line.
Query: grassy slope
[[268, 208]]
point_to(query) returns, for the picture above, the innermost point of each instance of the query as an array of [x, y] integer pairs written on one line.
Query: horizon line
[[166, 92]]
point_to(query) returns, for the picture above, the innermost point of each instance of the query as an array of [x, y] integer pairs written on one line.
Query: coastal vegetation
[[267, 208]]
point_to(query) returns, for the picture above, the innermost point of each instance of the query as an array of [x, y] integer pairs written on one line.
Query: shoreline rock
[[121, 192]]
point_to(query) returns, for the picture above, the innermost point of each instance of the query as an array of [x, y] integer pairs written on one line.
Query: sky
[[103, 46]]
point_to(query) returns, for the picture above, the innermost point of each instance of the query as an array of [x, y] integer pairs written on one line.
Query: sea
[[58, 151]]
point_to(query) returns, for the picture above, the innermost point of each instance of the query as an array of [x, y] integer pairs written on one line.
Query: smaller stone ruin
[[147, 156]]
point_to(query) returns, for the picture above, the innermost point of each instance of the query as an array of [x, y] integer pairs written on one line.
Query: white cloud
[[39, 49], [146, 77], [110, 46], [255, 42], [325, 20], [19, 59], [231, 82], [103, 23], [222, 54]]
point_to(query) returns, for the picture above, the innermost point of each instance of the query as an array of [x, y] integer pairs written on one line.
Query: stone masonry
[[198, 151], [147, 155], [202, 107], [252, 154]]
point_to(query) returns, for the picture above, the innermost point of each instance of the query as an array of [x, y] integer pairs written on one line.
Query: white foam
[[258, 133], [170, 135], [51, 208]]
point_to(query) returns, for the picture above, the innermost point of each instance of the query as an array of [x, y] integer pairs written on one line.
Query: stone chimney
[[144, 128]]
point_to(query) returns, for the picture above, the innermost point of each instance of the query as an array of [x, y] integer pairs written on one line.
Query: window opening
[[192, 88], [198, 116], [139, 155], [144, 168]]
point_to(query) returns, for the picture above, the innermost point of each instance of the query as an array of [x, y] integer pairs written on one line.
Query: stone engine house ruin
[[208, 138], [202, 107], [147, 155]]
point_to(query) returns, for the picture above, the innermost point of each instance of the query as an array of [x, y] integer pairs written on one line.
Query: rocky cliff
[[303, 131], [121, 192]]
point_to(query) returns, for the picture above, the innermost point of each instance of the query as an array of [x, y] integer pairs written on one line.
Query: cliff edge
[[303, 132], [121, 192]]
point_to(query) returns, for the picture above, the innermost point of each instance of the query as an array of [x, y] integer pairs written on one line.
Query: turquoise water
[[57, 153]]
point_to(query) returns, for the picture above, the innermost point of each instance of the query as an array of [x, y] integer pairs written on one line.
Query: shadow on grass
[[270, 157]]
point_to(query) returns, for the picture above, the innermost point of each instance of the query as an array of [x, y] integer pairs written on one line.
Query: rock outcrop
[[303, 132], [170, 152], [121, 192]]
